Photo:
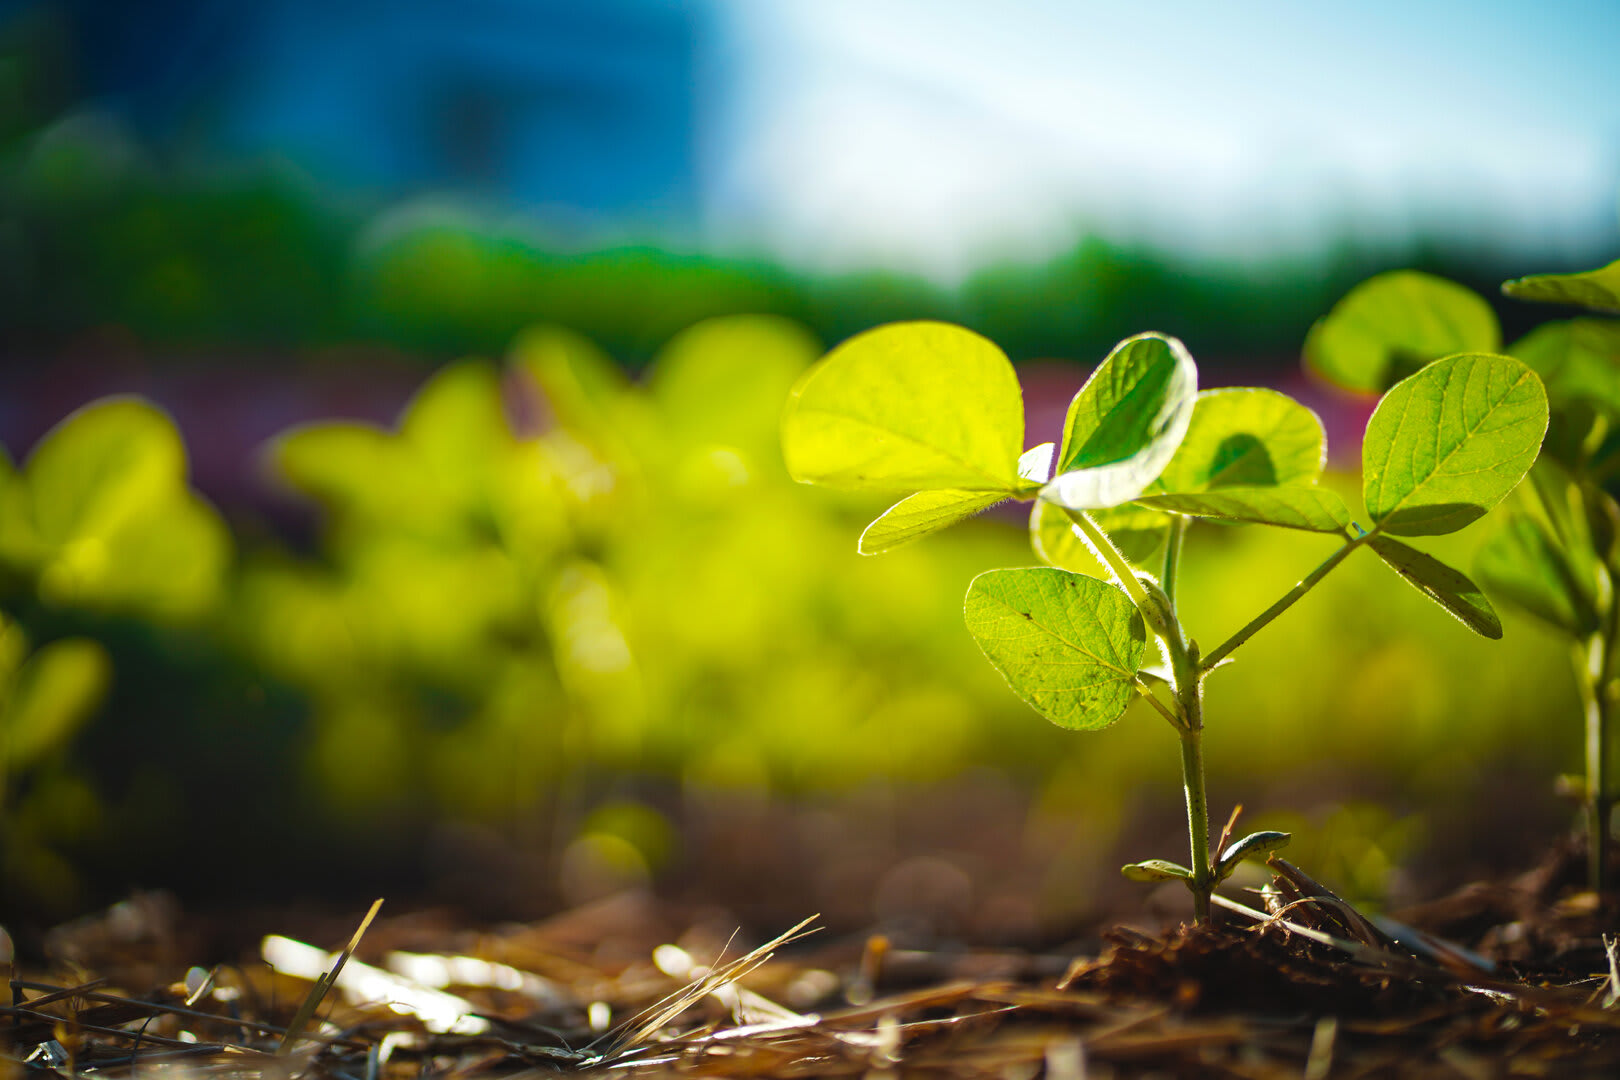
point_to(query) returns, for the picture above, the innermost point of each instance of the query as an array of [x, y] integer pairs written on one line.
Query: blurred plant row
[[554, 594]]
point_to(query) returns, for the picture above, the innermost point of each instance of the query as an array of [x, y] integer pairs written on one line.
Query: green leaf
[[1136, 532], [1296, 507], [923, 513], [457, 424], [1447, 444], [1125, 424], [1578, 361], [1156, 870], [1069, 645], [723, 381], [1391, 325], [101, 466], [1246, 437], [1449, 588], [1521, 564], [581, 384], [911, 405], [1256, 843], [55, 693], [1597, 289]]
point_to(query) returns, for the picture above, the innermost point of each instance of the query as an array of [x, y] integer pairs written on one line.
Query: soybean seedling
[[1554, 556], [937, 410]]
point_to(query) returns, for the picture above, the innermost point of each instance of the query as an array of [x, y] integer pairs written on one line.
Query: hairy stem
[[1109, 554], [1286, 601]]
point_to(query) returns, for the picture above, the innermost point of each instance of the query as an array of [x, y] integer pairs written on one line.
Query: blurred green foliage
[[550, 588]]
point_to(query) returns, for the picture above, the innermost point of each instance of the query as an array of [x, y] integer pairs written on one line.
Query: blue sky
[[927, 133]]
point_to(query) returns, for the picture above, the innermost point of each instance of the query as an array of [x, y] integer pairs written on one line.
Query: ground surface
[[631, 986]]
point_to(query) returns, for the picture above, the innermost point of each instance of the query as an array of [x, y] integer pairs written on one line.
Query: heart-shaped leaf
[[915, 405], [923, 513], [1136, 532], [1521, 564], [1449, 588], [1391, 325], [1447, 444], [1245, 437], [1069, 645], [1296, 507], [1597, 289], [1125, 424], [1156, 870]]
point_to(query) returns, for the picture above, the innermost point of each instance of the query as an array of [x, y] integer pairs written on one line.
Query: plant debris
[[611, 990]]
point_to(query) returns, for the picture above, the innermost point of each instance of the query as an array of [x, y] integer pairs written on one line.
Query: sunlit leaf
[[1449, 588], [1521, 564], [1068, 645], [923, 513], [1125, 424], [55, 692], [1391, 325], [1156, 870], [1597, 289], [1245, 437], [1136, 532], [1445, 445], [1035, 466], [911, 405], [1295, 507]]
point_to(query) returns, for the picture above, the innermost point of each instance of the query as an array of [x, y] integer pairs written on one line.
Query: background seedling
[[937, 409], [1554, 556]]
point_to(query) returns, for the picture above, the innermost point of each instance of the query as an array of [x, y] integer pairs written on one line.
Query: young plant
[[1555, 555], [937, 410]]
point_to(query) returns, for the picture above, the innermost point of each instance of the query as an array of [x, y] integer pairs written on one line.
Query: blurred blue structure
[[589, 107]]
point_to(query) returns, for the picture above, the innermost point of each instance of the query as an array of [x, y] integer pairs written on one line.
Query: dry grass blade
[[318, 992], [641, 1027]]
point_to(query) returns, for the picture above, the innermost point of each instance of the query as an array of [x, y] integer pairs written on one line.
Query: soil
[[1504, 978]]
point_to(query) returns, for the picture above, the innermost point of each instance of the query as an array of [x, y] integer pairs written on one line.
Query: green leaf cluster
[[101, 516]]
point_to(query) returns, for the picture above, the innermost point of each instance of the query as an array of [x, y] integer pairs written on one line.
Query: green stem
[[1591, 665], [1109, 554], [1190, 698], [1172, 557], [1192, 777], [1286, 601]]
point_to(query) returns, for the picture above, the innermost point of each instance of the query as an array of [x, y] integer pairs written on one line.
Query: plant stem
[[1109, 554], [1287, 601], [1591, 666], [1192, 776], [1172, 557]]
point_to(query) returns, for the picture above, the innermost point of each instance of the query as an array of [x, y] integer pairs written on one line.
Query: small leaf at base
[[1256, 843], [1156, 870]]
